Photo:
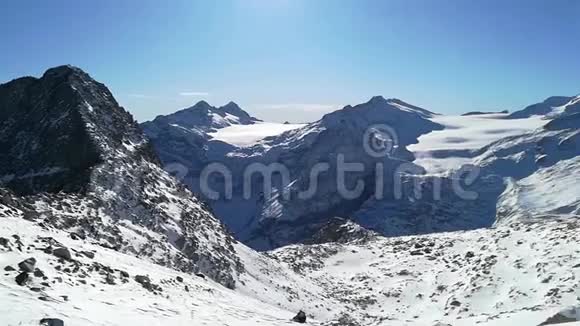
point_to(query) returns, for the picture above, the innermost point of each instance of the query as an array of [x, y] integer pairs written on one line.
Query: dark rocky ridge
[[55, 129], [483, 113], [109, 183]]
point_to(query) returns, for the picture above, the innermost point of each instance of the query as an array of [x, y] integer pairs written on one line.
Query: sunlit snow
[[446, 149], [245, 135]]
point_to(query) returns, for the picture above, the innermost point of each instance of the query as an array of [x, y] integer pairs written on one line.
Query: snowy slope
[[551, 191], [517, 274], [447, 149], [522, 273], [103, 290], [458, 144]]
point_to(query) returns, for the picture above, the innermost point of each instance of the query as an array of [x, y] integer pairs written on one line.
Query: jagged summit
[[65, 107], [202, 116], [79, 162], [382, 105], [63, 70], [377, 99]]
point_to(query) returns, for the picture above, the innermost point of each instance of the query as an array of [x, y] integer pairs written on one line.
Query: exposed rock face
[[339, 230], [72, 136], [43, 114], [484, 113], [429, 204]]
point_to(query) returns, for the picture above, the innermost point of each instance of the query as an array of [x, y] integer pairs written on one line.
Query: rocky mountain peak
[[199, 118], [378, 99], [63, 71], [379, 108], [85, 166], [65, 107], [200, 105]]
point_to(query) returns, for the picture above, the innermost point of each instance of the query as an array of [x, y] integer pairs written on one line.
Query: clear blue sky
[[296, 59]]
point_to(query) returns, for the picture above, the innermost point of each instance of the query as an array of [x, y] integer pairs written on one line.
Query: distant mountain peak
[[377, 99], [202, 104], [232, 104], [204, 117], [381, 103], [64, 69], [543, 108]]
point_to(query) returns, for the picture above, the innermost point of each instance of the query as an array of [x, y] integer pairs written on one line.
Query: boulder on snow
[[146, 283], [4, 242], [300, 317], [39, 273], [27, 265], [62, 252], [88, 254], [142, 279], [9, 268], [22, 278], [51, 322]]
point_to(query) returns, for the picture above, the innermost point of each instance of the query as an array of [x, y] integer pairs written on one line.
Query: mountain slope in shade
[[543, 108], [265, 222], [72, 135]]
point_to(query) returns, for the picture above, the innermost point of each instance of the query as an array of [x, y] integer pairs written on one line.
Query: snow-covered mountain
[[271, 221], [188, 139], [203, 116], [437, 145], [542, 167], [73, 159]]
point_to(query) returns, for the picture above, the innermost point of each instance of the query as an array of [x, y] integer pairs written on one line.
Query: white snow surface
[[550, 191], [437, 150], [247, 135], [518, 274]]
